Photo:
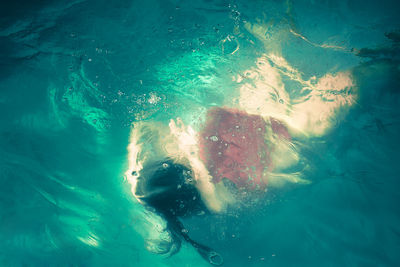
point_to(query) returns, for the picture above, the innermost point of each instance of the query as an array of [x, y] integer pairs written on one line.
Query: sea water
[[76, 76]]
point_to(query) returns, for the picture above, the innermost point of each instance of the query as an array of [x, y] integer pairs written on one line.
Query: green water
[[76, 75]]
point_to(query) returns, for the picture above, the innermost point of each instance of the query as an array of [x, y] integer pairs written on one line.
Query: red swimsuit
[[232, 146]]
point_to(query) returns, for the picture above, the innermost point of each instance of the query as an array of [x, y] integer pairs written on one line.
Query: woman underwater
[[235, 152]]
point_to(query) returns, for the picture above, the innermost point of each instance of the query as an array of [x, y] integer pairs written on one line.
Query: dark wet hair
[[169, 188]]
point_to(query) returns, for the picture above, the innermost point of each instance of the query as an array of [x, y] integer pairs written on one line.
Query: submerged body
[[250, 145]]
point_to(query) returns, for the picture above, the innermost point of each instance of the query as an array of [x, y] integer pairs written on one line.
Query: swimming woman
[[246, 147]]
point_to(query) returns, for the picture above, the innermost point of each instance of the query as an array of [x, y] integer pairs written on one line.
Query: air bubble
[[214, 138]]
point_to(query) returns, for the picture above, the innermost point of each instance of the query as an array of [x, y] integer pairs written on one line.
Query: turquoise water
[[76, 75]]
